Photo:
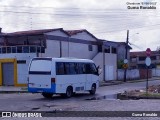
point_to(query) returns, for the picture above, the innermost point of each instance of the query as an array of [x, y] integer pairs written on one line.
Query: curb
[[142, 80], [121, 82], [128, 97], [109, 84], [9, 92]]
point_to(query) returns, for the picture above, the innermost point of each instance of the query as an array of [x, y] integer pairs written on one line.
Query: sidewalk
[[12, 89], [116, 82]]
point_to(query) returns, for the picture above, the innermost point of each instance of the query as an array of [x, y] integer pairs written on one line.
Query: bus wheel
[[47, 95], [93, 89], [69, 92]]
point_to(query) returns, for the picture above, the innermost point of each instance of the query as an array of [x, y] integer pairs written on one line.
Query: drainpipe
[[60, 45]]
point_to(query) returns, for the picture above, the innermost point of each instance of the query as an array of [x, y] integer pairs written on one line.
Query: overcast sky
[[106, 19]]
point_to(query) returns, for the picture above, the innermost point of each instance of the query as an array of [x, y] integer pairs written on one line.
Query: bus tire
[[69, 92], [93, 89], [47, 95]]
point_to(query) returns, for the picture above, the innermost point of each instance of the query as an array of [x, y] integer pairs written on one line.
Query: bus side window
[[90, 68], [93, 69], [81, 68], [87, 68], [72, 68], [59, 68], [67, 71], [76, 67]]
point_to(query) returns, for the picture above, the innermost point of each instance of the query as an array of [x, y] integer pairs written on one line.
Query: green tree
[[120, 64]]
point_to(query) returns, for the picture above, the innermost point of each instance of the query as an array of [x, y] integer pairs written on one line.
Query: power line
[[76, 16]]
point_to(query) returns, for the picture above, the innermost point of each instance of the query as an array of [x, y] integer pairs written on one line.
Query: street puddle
[[36, 108], [49, 105], [111, 97], [107, 97]]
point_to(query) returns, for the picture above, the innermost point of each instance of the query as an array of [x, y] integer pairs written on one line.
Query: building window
[[153, 58], [38, 49], [8, 50], [19, 49], [4, 50], [42, 49], [142, 58], [21, 61], [14, 50], [90, 47], [107, 50], [26, 49], [133, 59], [114, 50], [32, 49], [22, 49], [99, 48]]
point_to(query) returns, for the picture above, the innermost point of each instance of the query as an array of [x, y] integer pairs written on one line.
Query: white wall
[[80, 50], [110, 64], [53, 46], [52, 49], [83, 35], [156, 72], [130, 75], [22, 69], [77, 50]]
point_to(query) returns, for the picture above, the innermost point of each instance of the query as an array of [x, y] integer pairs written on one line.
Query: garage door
[[7, 74]]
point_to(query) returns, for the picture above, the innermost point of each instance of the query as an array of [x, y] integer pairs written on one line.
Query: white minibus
[[64, 76]]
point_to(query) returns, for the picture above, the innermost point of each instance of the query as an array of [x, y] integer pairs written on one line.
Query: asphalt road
[[107, 90], [82, 102]]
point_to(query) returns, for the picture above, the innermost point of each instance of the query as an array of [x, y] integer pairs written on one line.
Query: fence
[[156, 72], [130, 75], [137, 74]]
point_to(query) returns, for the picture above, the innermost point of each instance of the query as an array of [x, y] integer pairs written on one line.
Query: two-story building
[[137, 59], [18, 48]]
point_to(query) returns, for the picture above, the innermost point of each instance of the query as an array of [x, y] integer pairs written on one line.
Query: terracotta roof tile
[[31, 32], [143, 53]]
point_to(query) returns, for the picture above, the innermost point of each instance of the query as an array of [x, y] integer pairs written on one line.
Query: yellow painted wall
[[14, 61]]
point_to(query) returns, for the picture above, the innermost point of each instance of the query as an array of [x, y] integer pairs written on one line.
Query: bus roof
[[64, 59]]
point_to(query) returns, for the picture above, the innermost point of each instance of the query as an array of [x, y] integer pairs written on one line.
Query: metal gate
[[7, 74], [109, 72]]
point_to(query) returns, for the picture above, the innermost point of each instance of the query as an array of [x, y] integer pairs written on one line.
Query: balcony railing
[[22, 49]]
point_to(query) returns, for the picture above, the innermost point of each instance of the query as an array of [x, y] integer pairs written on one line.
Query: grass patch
[[150, 95]]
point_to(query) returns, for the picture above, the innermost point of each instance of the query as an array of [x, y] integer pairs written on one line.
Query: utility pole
[[60, 46], [68, 46], [125, 70], [104, 71]]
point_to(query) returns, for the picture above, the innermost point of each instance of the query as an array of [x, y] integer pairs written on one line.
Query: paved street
[[126, 86], [80, 102]]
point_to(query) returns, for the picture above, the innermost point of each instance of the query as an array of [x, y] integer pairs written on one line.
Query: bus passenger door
[[88, 81], [88, 77]]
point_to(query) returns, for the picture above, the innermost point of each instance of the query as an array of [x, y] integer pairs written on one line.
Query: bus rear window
[[40, 65]]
